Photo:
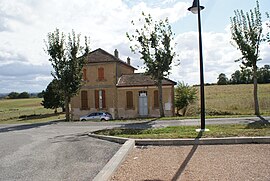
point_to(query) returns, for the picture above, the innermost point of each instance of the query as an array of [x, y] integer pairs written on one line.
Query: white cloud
[[24, 25], [218, 57]]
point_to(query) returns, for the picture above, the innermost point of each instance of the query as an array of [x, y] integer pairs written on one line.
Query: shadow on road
[[188, 158], [69, 138], [262, 123], [26, 126], [142, 125]]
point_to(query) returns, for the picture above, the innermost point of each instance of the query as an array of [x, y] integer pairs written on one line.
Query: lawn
[[173, 132], [233, 100], [25, 111], [221, 101]]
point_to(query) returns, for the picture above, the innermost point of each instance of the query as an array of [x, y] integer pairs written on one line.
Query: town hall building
[[110, 85]]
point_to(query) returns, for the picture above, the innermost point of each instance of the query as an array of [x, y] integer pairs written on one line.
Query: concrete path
[[197, 163]]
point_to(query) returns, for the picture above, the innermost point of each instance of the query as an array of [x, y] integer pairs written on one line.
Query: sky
[[25, 24]]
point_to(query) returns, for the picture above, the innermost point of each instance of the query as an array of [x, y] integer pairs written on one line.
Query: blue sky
[[24, 25]]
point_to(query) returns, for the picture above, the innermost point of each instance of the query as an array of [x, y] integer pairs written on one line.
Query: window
[[84, 74], [100, 73], [84, 100], [100, 102], [129, 97], [156, 99]]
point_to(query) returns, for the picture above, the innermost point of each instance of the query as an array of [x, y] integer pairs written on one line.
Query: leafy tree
[[52, 97], [264, 74], [13, 95], [23, 95], [184, 96], [246, 76], [40, 94], [236, 77], [246, 30], [222, 79], [67, 66], [153, 42]]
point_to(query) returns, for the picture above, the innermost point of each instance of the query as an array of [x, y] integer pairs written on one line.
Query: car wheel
[[83, 119], [103, 119]]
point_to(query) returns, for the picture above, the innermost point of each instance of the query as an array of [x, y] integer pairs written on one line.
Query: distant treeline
[[245, 76], [22, 95]]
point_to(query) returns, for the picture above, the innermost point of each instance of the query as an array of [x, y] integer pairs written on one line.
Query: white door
[[143, 106]]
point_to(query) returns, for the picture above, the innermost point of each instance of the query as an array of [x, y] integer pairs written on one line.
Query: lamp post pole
[[196, 9]]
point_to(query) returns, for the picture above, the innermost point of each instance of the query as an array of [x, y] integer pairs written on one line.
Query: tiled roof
[[139, 79], [99, 55]]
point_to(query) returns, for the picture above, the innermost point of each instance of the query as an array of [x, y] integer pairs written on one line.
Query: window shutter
[[129, 97], [103, 99], [84, 74], [96, 99], [101, 73], [84, 100], [156, 99]]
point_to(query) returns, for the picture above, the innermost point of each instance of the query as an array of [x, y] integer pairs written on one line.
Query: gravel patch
[[197, 163]]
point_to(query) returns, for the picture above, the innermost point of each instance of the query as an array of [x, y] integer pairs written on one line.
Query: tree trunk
[[255, 91], [161, 110], [67, 108], [184, 111]]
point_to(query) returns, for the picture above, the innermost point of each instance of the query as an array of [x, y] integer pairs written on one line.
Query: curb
[[115, 161], [109, 138], [203, 141], [178, 142]]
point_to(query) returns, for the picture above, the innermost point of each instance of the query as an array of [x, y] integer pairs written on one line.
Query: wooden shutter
[[84, 100], [103, 99], [101, 73], [96, 99], [129, 97], [84, 74], [156, 99]]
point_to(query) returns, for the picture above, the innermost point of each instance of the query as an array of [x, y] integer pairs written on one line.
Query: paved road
[[60, 151], [189, 122], [63, 151]]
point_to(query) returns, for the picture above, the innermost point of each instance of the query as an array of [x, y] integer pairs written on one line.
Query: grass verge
[[18, 111], [173, 132]]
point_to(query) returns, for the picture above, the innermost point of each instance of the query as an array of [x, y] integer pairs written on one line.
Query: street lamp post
[[196, 9]]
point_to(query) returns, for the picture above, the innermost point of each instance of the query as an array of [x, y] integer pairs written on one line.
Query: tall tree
[[13, 95], [236, 77], [67, 66], [153, 41], [23, 95], [52, 97], [268, 26], [246, 30], [264, 74], [184, 96], [222, 79]]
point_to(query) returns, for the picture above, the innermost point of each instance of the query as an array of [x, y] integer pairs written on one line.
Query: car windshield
[[92, 114]]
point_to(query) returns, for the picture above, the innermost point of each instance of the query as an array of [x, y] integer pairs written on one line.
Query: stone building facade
[[110, 85]]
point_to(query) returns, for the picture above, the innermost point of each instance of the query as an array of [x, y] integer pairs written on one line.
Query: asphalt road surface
[[57, 151], [64, 151]]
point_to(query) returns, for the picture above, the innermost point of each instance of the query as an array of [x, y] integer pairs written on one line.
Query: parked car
[[97, 116]]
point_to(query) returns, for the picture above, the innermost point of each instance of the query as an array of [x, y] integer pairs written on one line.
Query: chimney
[[116, 53], [128, 60]]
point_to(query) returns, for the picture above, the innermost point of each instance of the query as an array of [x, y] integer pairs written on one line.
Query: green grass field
[[25, 111], [232, 100], [173, 132]]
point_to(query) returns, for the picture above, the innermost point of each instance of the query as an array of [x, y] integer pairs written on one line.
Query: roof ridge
[[109, 54]]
